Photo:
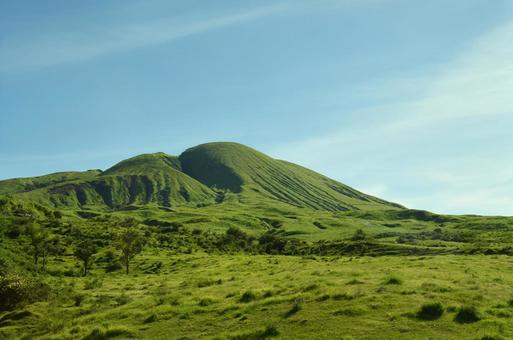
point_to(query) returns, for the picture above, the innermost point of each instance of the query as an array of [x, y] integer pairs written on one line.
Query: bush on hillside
[[392, 280], [467, 314], [235, 239], [272, 244], [17, 290], [431, 311], [359, 235], [248, 296]]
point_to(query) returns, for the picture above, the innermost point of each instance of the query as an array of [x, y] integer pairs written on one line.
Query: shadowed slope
[[241, 169], [149, 178]]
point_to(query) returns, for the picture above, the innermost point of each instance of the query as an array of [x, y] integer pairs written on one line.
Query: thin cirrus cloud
[[438, 143], [93, 42]]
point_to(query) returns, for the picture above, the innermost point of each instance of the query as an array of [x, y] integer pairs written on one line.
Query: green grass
[[173, 300]]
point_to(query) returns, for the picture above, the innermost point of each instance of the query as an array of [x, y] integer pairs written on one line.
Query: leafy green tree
[[38, 242], [85, 251], [130, 242], [49, 246]]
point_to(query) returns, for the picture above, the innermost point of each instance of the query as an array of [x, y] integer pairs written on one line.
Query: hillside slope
[[145, 179], [243, 170], [195, 178]]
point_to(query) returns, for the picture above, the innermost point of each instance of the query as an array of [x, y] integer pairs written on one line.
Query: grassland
[[203, 296]]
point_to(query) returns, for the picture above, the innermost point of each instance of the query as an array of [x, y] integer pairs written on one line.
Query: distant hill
[[243, 170], [202, 175]]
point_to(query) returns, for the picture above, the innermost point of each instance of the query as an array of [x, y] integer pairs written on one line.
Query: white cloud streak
[[93, 42]]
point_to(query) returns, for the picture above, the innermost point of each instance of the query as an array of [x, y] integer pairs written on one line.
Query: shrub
[[270, 330], [271, 244], [268, 294], [430, 311], [467, 314], [13, 231], [359, 235], [393, 281], [248, 296], [151, 318], [18, 290]]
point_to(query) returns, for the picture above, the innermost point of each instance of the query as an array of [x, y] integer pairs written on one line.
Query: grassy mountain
[[145, 179], [192, 179], [240, 169], [18, 185]]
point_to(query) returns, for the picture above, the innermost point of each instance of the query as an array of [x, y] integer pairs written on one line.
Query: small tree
[[131, 243], [38, 242], [49, 247], [84, 252]]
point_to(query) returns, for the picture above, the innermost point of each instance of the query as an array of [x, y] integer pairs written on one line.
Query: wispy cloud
[[435, 149], [96, 41]]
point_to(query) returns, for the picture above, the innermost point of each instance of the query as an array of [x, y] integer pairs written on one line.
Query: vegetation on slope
[[200, 176], [240, 169], [146, 179], [18, 185]]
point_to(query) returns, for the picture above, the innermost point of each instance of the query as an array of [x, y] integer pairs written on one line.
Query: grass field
[[202, 296]]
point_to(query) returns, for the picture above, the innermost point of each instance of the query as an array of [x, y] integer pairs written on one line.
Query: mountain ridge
[[201, 175]]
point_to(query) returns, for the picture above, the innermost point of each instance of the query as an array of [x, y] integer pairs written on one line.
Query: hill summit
[[202, 175]]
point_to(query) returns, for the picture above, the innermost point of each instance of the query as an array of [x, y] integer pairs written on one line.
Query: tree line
[[129, 241]]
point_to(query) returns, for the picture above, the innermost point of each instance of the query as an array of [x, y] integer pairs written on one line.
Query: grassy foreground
[[285, 297]]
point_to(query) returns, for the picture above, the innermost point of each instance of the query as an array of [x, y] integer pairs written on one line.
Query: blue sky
[[408, 100]]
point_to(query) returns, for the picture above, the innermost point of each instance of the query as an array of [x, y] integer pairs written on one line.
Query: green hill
[[199, 176], [145, 179], [19, 185], [243, 170]]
